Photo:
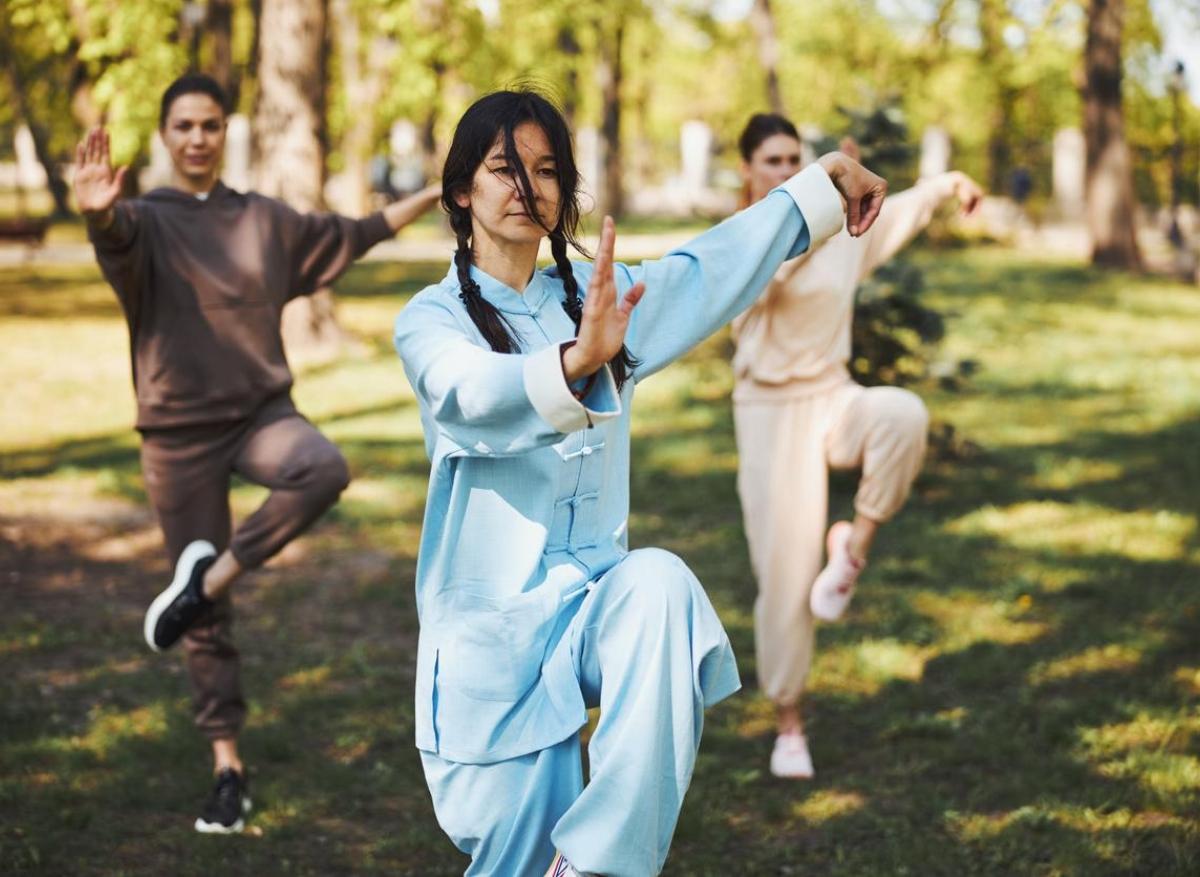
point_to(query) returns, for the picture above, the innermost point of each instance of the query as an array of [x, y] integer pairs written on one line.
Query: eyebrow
[[503, 156]]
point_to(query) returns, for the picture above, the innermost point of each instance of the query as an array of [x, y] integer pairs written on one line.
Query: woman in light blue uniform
[[532, 606]]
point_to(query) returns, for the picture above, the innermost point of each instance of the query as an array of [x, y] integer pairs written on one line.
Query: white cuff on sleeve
[[550, 396], [819, 201]]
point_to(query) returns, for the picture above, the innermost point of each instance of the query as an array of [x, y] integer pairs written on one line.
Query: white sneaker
[[834, 585], [560, 867], [790, 758]]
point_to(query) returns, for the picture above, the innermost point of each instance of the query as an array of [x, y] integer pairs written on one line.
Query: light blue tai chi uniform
[[532, 607]]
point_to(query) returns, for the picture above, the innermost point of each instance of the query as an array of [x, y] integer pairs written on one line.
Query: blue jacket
[[528, 498]]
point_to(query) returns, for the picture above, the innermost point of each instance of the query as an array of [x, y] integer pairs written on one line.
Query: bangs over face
[[490, 123]]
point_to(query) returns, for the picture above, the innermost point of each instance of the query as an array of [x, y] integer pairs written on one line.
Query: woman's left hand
[[968, 192], [862, 190]]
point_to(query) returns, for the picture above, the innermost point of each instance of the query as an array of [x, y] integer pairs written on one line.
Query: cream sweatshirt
[[795, 339]]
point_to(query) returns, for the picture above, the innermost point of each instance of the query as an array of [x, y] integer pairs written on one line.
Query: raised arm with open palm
[[97, 186], [605, 320]]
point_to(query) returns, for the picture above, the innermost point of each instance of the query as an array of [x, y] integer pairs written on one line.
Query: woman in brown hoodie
[[202, 274]]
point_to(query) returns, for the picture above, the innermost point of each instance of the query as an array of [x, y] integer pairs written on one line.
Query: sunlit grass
[[1076, 528], [1014, 690], [1111, 658], [828, 804]]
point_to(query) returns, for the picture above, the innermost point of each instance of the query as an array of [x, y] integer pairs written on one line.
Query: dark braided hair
[[490, 118]]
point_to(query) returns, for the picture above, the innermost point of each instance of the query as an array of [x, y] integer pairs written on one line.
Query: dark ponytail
[[489, 118]]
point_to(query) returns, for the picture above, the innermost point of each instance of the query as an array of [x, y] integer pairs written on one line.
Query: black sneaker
[[225, 807], [177, 608]]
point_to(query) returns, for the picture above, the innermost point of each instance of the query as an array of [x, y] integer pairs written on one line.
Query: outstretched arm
[[907, 213], [694, 290], [407, 210], [97, 186], [324, 245]]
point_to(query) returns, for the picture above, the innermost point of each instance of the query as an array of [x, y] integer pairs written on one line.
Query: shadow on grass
[[1009, 695], [98, 750], [980, 764]]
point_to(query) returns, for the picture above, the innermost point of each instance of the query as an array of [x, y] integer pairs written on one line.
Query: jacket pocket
[[493, 647]]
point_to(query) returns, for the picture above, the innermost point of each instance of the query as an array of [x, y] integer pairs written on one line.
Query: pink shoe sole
[[834, 586]]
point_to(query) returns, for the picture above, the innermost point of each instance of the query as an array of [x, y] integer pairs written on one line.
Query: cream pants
[[785, 450]]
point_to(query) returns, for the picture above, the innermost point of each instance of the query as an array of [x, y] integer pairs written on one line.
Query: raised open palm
[[605, 319], [97, 185]]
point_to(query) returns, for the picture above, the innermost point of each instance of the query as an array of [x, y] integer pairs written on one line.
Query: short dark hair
[[192, 83], [763, 126]]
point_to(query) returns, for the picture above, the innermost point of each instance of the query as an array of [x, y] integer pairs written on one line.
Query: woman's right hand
[[605, 320], [96, 185], [863, 190]]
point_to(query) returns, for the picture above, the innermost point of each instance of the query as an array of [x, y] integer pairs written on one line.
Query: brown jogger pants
[[187, 471]]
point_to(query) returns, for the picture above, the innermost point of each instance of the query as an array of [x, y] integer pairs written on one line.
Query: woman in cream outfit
[[798, 413]]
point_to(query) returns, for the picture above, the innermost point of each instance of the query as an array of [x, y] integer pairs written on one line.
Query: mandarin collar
[[504, 297]]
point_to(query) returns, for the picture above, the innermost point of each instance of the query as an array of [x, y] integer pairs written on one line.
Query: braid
[[486, 317], [573, 304], [624, 362]]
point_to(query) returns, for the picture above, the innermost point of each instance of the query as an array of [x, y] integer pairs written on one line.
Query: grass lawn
[[1014, 691]]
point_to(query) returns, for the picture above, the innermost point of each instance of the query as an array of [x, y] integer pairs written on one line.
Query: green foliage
[[893, 330], [134, 53], [994, 73]]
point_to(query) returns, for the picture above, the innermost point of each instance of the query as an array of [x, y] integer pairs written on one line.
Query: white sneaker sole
[[195, 552], [217, 828]]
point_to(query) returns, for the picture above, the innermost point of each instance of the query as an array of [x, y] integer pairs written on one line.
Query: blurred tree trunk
[[433, 18], [763, 22], [608, 73], [83, 104], [364, 71], [996, 57], [58, 187], [289, 143], [1111, 204], [219, 30], [568, 47]]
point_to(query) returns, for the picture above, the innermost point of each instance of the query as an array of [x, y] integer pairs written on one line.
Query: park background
[[1015, 690]]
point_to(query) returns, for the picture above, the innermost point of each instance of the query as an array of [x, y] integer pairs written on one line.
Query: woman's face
[[497, 211], [774, 161], [194, 134]]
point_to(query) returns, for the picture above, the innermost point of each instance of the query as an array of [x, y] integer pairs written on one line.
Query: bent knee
[[330, 474], [904, 411], [656, 577]]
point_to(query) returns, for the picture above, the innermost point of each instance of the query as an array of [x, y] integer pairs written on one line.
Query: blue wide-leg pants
[[649, 650]]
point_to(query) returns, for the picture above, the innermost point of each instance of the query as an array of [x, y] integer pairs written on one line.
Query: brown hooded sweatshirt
[[203, 284]]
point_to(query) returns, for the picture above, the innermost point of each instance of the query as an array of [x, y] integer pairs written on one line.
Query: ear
[[463, 199], [745, 167]]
